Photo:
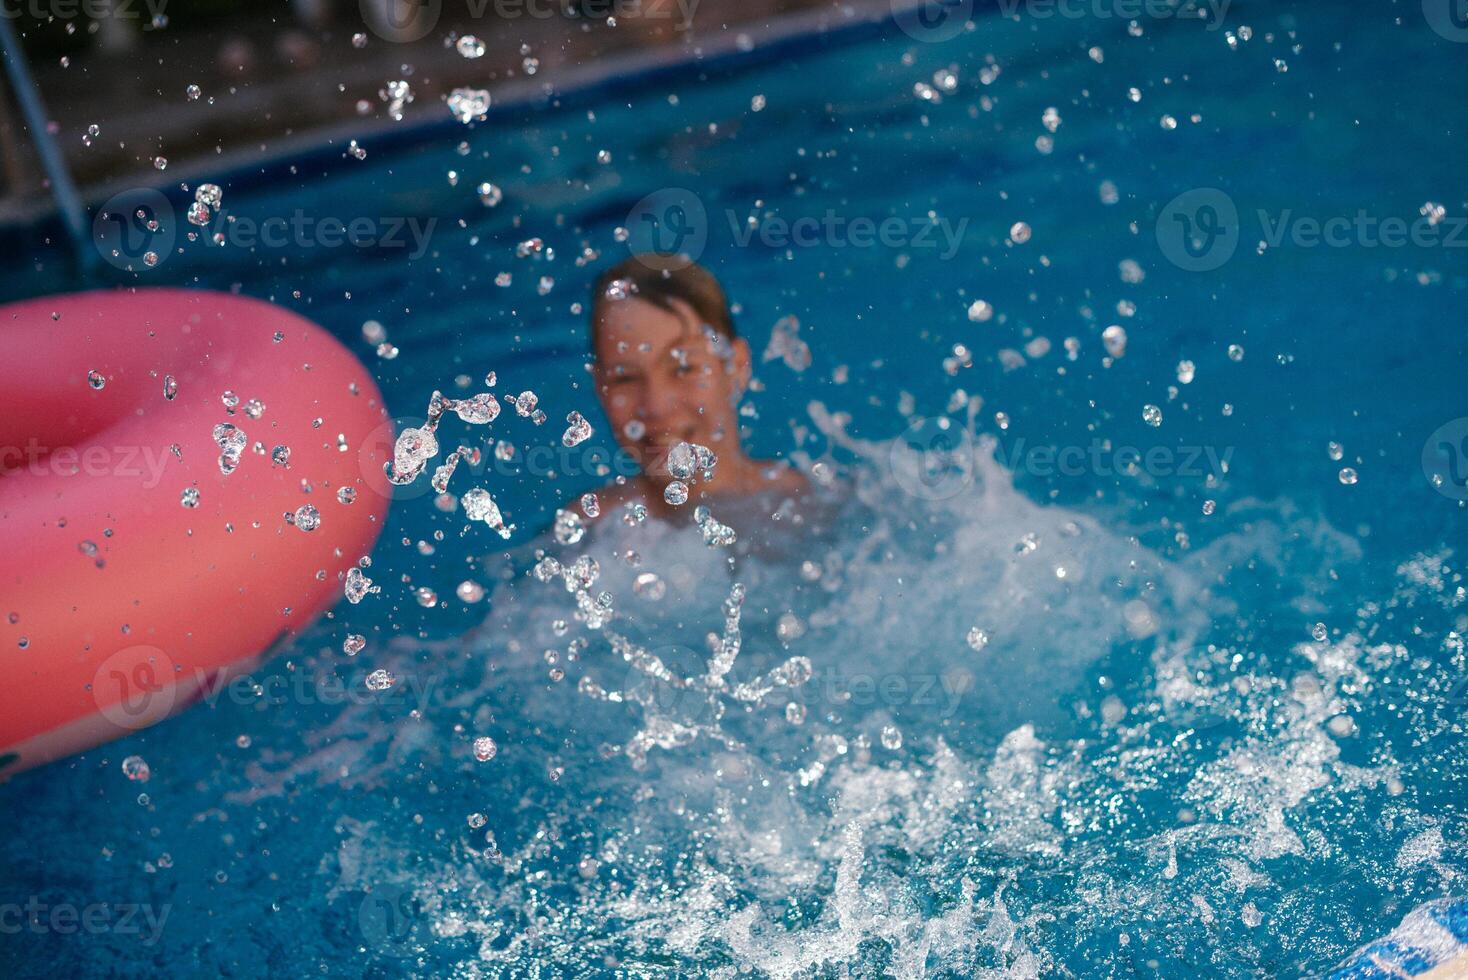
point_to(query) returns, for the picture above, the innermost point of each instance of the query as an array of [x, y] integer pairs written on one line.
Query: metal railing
[[63, 189]]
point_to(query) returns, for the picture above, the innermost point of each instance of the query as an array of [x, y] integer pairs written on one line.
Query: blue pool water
[[1154, 766]]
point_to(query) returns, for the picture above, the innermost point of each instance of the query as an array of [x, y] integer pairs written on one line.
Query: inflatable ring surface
[[134, 571]]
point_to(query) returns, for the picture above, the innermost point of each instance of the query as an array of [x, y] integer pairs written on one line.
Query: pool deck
[[318, 84]]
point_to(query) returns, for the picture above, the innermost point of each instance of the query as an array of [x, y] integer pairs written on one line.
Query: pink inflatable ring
[[135, 572]]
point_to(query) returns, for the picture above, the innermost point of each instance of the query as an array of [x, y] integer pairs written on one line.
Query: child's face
[[662, 380]]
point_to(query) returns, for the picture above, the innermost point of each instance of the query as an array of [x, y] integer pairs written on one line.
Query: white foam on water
[[1021, 796]]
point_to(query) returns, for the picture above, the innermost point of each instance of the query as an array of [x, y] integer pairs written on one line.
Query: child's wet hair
[[660, 279]]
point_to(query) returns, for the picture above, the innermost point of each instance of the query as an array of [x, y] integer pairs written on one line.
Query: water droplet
[[190, 497], [977, 639], [649, 586], [469, 104], [135, 767], [578, 430], [96, 380], [358, 586], [380, 680], [676, 493], [489, 194], [568, 527], [484, 748], [354, 644], [1152, 415], [1348, 476]]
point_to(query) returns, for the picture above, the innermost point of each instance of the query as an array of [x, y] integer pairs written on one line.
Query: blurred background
[[204, 79]]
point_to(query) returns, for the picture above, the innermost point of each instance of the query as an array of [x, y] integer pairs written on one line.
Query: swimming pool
[[1153, 766]]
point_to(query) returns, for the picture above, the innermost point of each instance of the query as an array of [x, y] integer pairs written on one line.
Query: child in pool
[[669, 368]]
